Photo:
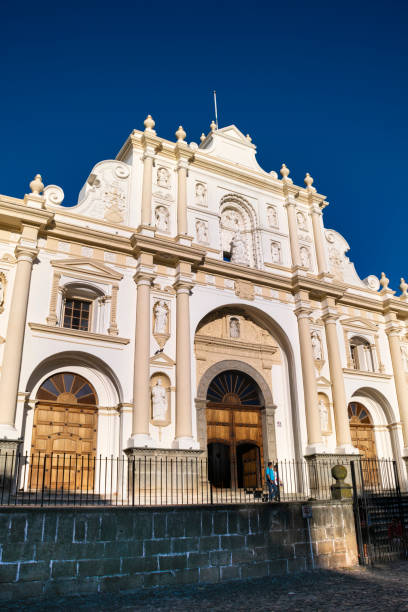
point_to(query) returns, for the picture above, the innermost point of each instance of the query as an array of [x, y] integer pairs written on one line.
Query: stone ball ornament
[[36, 185]]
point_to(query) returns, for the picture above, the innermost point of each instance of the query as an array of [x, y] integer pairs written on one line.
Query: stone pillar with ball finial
[[183, 156], [316, 214], [151, 145]]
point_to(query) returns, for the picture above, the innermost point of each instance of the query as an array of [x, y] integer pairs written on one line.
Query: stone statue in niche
[[202, 231], [276, 252], [200, 194], [272, 217], [234, 327], [305, 257], [324, 416], [163, 177], [159, 401], [161, 316], [239, 250], [316, 346], [301, 220], [162, 218]]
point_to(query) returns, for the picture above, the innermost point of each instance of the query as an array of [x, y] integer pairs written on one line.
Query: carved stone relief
[[234, 327], [324, 414], [106, 192], [305, 257], [161, 215], [276, 252], [161, 322], [160, 399], [200, 194], [301, 220], [202, 231], [244, 290], [3, 284], [272, 215], [317, 346], [239, 250], [163, 177]]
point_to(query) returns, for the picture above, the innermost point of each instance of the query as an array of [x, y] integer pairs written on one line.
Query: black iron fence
[[76, 480], [380, 510]]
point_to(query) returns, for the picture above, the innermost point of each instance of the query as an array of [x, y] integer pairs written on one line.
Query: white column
[[183, 285], [316, 215], [13, 350], [401, 387], [141, 379]]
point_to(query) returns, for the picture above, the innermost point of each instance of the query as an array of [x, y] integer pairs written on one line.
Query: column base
[[186, 443], [8, 433], [316, 449], [146, 230], [140, 441], [184, 239], [346, 449]]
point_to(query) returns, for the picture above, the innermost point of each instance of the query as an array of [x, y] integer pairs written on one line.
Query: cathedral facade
[[193, 303]]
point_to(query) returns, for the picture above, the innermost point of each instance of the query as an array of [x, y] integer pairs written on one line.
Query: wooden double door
[[63, 445], [234, 432]]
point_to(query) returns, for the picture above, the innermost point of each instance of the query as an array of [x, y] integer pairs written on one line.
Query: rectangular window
[[77, 314]]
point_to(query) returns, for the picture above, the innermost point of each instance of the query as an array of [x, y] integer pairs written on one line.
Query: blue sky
[[321, 86]]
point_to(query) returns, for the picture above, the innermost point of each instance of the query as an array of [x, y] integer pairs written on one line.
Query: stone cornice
[[226, 342], [77, 333], [169, 250], [14, 214], [366, 374]]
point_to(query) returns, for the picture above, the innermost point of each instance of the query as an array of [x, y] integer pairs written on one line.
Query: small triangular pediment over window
[[359, 323], [322, 381], [162, 359], [85, 267]]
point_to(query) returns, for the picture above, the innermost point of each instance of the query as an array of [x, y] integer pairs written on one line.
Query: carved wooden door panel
[[64, 435]]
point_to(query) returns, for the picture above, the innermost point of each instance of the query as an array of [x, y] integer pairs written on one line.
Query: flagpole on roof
[[215, 107]]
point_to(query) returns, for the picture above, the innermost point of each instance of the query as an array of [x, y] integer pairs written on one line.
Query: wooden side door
[[63, 447], [250, 467]]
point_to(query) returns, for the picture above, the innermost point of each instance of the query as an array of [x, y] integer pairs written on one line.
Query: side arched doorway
[[362, 430], [234, 430], [64, 434]]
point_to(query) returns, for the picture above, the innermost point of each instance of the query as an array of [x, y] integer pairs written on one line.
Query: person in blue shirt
[[271, 481]]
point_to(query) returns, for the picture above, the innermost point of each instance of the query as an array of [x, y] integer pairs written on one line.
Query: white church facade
[[193, 303]]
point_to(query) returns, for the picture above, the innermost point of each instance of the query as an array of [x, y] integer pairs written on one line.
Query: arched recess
[[288, 362], [248, 225], [101, 377], [383, 420]]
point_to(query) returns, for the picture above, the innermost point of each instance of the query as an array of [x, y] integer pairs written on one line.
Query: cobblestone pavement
[[374, 589]]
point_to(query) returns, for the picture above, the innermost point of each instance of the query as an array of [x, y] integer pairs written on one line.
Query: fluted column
[[341, 419], [141, 379], [13, 349], [183, 287], [314, 435], [393, 332]]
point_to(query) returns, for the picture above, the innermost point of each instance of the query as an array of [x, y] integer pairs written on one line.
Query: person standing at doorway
[[271, 481]]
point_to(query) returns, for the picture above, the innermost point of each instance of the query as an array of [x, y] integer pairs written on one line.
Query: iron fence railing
[[71, 480]]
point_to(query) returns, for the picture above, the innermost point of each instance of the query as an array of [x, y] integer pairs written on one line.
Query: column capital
[[329, 312], [25, 253], [315, 209], [183, 152], [151, 142], [303, 308]]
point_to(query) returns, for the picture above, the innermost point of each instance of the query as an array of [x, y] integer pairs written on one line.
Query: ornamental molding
[[76, 333], [86, 268], [360, 324]]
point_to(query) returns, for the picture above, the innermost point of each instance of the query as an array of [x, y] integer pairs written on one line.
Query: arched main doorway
[[64, 434], [234, 430]]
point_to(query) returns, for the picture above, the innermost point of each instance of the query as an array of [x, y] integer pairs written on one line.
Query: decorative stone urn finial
[[37, 185], [384, 281], [180, 134], [308, 181], [284, 171], [202, 137], [404, 289], [149, 123], [340, 490], [213, 126], [249, 139]]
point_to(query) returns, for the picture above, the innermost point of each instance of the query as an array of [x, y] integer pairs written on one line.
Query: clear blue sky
[[321, 86]]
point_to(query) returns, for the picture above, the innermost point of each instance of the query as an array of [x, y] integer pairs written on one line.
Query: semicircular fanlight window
[[234, 387], [67, 388], [358, 415]]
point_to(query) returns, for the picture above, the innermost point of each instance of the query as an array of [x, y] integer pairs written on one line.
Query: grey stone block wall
[[57, 551]]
